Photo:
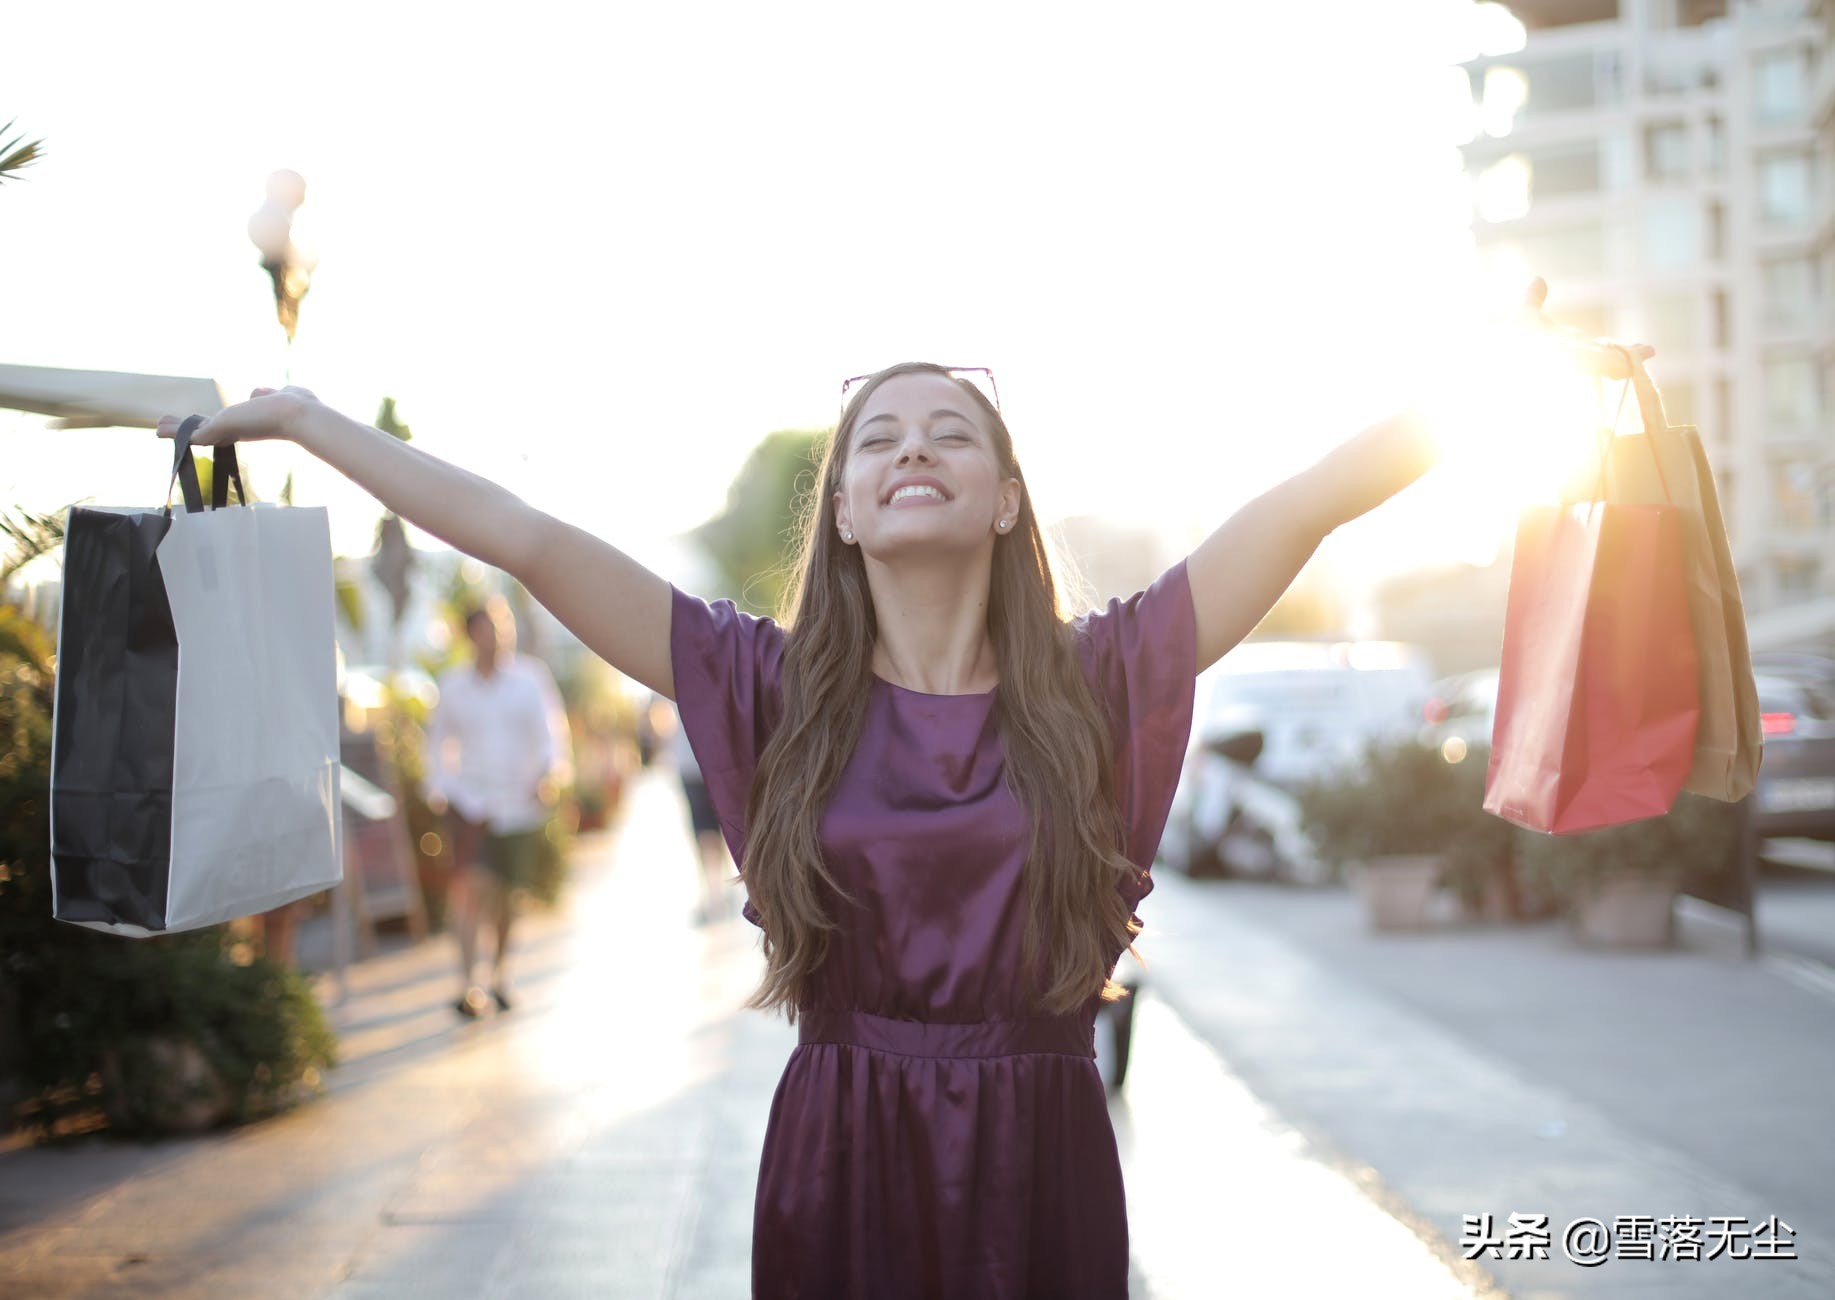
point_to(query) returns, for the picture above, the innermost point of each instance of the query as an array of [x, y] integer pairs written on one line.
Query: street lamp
[[271, 230]]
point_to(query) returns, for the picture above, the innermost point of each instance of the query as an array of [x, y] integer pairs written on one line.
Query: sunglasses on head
[[980, 376]]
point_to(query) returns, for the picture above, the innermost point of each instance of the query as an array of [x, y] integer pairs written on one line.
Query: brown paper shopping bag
[[1668, 463]]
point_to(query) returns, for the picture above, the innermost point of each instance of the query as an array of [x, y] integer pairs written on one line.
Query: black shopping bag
[[194, 730]]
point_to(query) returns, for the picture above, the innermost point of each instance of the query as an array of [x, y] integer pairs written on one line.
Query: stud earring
[[847, 536]]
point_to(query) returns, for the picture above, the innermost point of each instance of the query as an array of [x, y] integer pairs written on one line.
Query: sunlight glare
[[1503, 189], [1506, 92], [1521, 420], [1497, 30]]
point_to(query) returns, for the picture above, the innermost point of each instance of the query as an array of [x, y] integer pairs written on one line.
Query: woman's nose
[[911, 449]]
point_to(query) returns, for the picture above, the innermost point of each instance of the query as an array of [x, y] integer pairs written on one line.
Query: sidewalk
[[602, 1140], [1490, 1070]]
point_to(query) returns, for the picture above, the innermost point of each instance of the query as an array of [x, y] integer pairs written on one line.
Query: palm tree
[[14, 155]]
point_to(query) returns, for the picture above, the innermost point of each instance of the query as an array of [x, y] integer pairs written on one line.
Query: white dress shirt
[[492, 740]]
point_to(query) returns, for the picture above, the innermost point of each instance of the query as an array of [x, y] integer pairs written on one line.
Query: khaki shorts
[[512, 857]]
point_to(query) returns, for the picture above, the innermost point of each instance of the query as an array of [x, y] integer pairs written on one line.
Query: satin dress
[[931, 1136]]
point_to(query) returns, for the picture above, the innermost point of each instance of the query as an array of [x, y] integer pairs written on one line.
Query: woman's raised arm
[[1239, 571], [618, 608]]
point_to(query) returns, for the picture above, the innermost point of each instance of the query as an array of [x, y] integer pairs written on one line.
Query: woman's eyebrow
[[941, 413]]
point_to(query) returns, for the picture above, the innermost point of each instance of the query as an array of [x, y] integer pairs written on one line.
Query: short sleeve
[[1140, 656], [727, 692]]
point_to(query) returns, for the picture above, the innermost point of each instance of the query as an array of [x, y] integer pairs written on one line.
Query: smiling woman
[[944, 794]]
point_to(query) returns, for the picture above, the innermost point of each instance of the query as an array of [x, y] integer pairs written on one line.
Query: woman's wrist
[[313, 425]]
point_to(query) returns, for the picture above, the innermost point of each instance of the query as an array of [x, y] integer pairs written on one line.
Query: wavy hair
[[1056, 737]]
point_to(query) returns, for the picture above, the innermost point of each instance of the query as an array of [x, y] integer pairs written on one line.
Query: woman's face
[[923, 471]]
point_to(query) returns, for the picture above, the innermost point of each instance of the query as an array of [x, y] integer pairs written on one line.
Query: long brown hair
[[1056, 739]]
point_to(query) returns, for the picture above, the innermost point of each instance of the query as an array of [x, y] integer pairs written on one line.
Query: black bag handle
[[185, 472]]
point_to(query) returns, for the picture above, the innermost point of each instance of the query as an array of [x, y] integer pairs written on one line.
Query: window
[[1793, 496], [1723, 327], [1673, 234], [1671, 322], [1666, 152], [1716, 149], [1790, 292], [1790, 396], [1571, 83], [1781, 85], [1784, 189], [1694, 13], [1558, 173]]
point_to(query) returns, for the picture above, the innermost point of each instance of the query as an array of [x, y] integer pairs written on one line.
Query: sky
[[597, 252]]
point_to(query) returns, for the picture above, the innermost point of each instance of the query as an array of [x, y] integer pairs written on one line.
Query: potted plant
[[1391, 818], [1620, 883], [1479, 863]]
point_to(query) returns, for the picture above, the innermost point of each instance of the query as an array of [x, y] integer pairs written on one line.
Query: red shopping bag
[[1599, 693]]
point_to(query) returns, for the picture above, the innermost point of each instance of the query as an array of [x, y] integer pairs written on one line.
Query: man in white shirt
[[498, 753]]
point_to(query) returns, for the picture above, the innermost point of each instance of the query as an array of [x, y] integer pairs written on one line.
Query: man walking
[[498, 753]]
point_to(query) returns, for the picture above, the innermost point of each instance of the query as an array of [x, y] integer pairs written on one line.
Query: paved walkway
[[1479, 1069], [602, 1140]]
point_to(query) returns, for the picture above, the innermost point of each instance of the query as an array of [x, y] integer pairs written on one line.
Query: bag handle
[[1650, 407], [185, 472]]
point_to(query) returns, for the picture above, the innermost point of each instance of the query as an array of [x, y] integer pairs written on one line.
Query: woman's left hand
[[1602, 357]]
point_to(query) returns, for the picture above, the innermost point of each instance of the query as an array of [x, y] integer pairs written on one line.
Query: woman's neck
[[933, 627]]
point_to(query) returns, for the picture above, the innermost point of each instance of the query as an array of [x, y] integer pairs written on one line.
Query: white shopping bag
[[240, 727]]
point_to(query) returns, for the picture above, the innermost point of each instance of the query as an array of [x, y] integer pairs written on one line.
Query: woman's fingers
[[1604, 358], [264, 415]]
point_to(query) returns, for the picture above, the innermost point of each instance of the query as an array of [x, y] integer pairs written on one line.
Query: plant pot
[[1629, 909], [1396, 889]]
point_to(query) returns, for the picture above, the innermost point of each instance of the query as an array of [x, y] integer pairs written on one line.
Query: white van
[[1317, 706]]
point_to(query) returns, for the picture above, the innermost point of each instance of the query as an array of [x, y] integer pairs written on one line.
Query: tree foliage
[[18, 153], [752, 541]]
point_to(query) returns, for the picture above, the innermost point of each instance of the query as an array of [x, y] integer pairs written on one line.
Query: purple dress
[[930, 1136]]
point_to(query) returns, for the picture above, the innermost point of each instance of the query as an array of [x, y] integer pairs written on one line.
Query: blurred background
[[620, 258]]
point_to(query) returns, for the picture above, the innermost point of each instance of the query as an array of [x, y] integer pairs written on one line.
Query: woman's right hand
[[268, 413]]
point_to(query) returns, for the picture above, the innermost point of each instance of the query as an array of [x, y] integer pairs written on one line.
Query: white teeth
[[904, 492]]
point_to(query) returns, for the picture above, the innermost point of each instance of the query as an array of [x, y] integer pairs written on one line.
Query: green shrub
[[1698, 840], [1405, 798], [1481, 846], [79, 1008]]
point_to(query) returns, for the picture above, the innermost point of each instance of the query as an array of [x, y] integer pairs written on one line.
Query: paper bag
[[194, 764]]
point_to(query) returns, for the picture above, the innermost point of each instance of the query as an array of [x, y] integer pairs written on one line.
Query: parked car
[[1796, 788], [1269, 717], [1462, 708], [1795, 797]]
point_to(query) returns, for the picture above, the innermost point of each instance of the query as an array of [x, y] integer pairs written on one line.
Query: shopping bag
[[194, 761], [1669, 463], [1598, 693]]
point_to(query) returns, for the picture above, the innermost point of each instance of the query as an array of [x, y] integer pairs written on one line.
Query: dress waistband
[[1059, 1035]]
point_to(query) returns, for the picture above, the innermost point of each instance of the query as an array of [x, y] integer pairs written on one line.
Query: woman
[[944, 799]]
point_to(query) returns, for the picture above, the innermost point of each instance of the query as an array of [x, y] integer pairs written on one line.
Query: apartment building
[[1669, 165]]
